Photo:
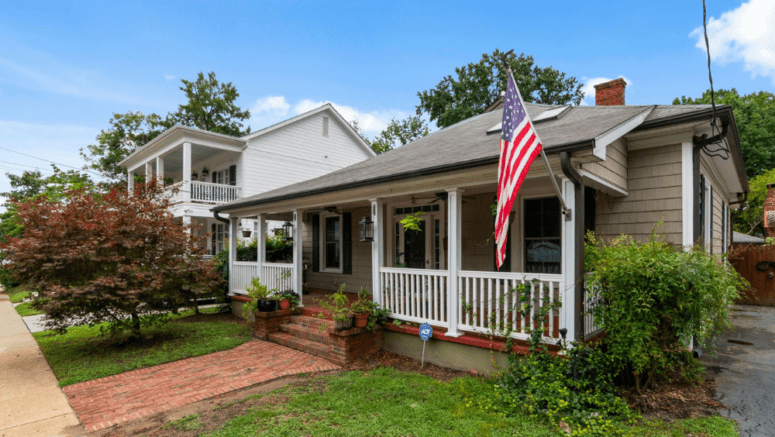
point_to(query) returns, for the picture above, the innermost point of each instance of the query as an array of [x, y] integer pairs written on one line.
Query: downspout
[[578, 216], [736, 202]]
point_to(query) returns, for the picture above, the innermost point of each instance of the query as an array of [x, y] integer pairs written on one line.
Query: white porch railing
[[205, 192], [419, 296], [487, 293], [591, 300], [277, 276], [415, 295], [241, 275], [213, 193]]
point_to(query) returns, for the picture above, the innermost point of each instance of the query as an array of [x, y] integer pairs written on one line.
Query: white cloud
[[169, 77], [273, 109], [744, 34], [589, 87]]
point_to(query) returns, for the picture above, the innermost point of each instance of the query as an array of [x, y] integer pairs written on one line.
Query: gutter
[[563, 148], [219, 218]]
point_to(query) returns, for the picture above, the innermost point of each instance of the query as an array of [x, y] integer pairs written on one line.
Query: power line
[[52, 162], [25, 165]]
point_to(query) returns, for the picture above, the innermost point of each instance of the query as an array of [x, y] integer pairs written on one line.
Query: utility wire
[[721, 147], [54, 162]]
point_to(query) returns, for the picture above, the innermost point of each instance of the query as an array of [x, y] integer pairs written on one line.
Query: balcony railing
[[206, 192]]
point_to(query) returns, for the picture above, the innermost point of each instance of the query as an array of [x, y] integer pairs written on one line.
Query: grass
[[25, 310], [389, 402], [82, 354], [18, 294], [188, 423]]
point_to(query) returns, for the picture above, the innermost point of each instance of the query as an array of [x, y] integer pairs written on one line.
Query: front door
[[414, 248], [423, 249]]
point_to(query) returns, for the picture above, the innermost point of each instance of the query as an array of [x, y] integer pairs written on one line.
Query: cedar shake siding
[[614, 168], [654, 194]]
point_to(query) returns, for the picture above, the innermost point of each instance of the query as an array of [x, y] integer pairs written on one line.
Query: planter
[[361, 320], [341, 325], [285, 304], [266, 305], [246, 233]]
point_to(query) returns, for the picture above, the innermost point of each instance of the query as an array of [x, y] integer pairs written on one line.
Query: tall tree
[[478, 84], [211, 107], [400, 132], [750, 219], [127, 132], [755, 117]]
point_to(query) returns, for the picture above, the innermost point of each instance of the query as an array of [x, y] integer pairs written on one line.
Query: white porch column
[[187, 173], [233, 225], [148, 172], [261, 240], [377, 250], [298, 263], [160, 169], [454, 255], [687, 195], [130, 181], [568, 309], [187, 222]]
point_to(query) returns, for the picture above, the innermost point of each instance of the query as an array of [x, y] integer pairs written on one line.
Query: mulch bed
[[675, 401]]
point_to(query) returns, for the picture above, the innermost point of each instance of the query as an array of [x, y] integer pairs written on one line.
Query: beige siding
[[717, 236], [478, 250], [654, 188], [615, 168], [361, 275]]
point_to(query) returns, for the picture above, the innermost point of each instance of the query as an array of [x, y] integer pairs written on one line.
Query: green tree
[[750, 219], [127, 132], [478, 84], [400, 132], [755, 116], [211, 107]]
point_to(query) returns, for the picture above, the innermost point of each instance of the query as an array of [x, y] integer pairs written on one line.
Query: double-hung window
[[542, 235], [332, 242]]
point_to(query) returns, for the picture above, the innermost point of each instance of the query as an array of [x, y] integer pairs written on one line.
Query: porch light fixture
[[194, 176], [367, 229], [205, 172], [288, 231]]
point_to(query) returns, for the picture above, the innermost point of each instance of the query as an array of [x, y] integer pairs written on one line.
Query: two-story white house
[[210, 169]]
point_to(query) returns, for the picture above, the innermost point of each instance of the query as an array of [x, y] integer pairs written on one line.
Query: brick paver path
[[131, 395]]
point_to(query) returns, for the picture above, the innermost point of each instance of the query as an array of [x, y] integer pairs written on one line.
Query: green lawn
[[24, 310], [389, 402], [82, 354], [18, 294]]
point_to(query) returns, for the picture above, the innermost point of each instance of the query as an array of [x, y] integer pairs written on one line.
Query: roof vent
[[325, 126]]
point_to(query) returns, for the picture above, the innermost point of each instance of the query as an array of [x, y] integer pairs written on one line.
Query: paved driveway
[[745, 370]]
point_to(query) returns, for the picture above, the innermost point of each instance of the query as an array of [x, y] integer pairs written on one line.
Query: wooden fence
[[756, 263]]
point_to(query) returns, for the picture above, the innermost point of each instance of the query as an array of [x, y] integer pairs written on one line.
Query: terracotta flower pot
[[285, 304], [361, 320]]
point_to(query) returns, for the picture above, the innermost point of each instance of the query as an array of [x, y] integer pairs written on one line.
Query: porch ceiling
[[173, 162]]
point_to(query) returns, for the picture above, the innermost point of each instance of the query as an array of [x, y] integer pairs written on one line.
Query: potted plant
[[288, 300], [259, 299], [361, 309], [340, 312]]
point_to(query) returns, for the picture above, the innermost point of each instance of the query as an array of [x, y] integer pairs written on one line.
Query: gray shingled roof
[[739, 237], [467, 144]]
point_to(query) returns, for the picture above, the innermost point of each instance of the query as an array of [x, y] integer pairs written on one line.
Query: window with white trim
[[724, 227], [220, 237], [542, 235], [331, 242]]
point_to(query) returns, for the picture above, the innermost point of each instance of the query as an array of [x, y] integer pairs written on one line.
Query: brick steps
[[310, 347], [309, 333], [311, 322]]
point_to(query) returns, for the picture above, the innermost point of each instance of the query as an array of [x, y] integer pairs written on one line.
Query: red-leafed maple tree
[[114, 257]]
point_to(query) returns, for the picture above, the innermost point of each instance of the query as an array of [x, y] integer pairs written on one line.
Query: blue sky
[[67, 66]]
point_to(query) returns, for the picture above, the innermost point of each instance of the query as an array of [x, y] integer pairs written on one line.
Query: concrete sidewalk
[[31, 403]]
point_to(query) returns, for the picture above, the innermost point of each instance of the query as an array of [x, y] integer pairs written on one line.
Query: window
[[724, 227], [325, 126], [221, 177], [542, 227], [706, 213], [332, 242], [220, 237]]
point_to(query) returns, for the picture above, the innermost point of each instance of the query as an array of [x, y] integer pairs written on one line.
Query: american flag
[[520, 145]]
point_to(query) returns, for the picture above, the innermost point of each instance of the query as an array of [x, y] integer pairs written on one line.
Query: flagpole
[[565, 210]]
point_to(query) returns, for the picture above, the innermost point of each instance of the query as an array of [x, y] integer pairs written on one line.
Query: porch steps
[[305, 333]]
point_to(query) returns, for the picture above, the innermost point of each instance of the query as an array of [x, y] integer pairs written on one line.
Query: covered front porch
[[443, 271]]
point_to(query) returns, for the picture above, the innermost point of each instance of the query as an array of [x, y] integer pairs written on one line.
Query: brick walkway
[[114, 399]]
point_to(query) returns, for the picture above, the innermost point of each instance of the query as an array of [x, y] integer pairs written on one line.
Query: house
[[620, 169], [211, 169]]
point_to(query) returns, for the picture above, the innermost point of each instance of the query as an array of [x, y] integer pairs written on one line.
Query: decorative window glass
[[543, 249]]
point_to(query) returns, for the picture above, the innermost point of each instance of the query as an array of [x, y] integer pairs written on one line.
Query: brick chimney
[[769, 211], [610, 93]]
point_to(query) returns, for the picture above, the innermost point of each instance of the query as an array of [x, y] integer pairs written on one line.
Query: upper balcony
[[204, 192]]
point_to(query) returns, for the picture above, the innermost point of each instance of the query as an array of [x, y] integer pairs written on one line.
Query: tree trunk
[[135, 325]]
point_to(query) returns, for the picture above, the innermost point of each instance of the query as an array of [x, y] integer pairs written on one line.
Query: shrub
[[655, 299]]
